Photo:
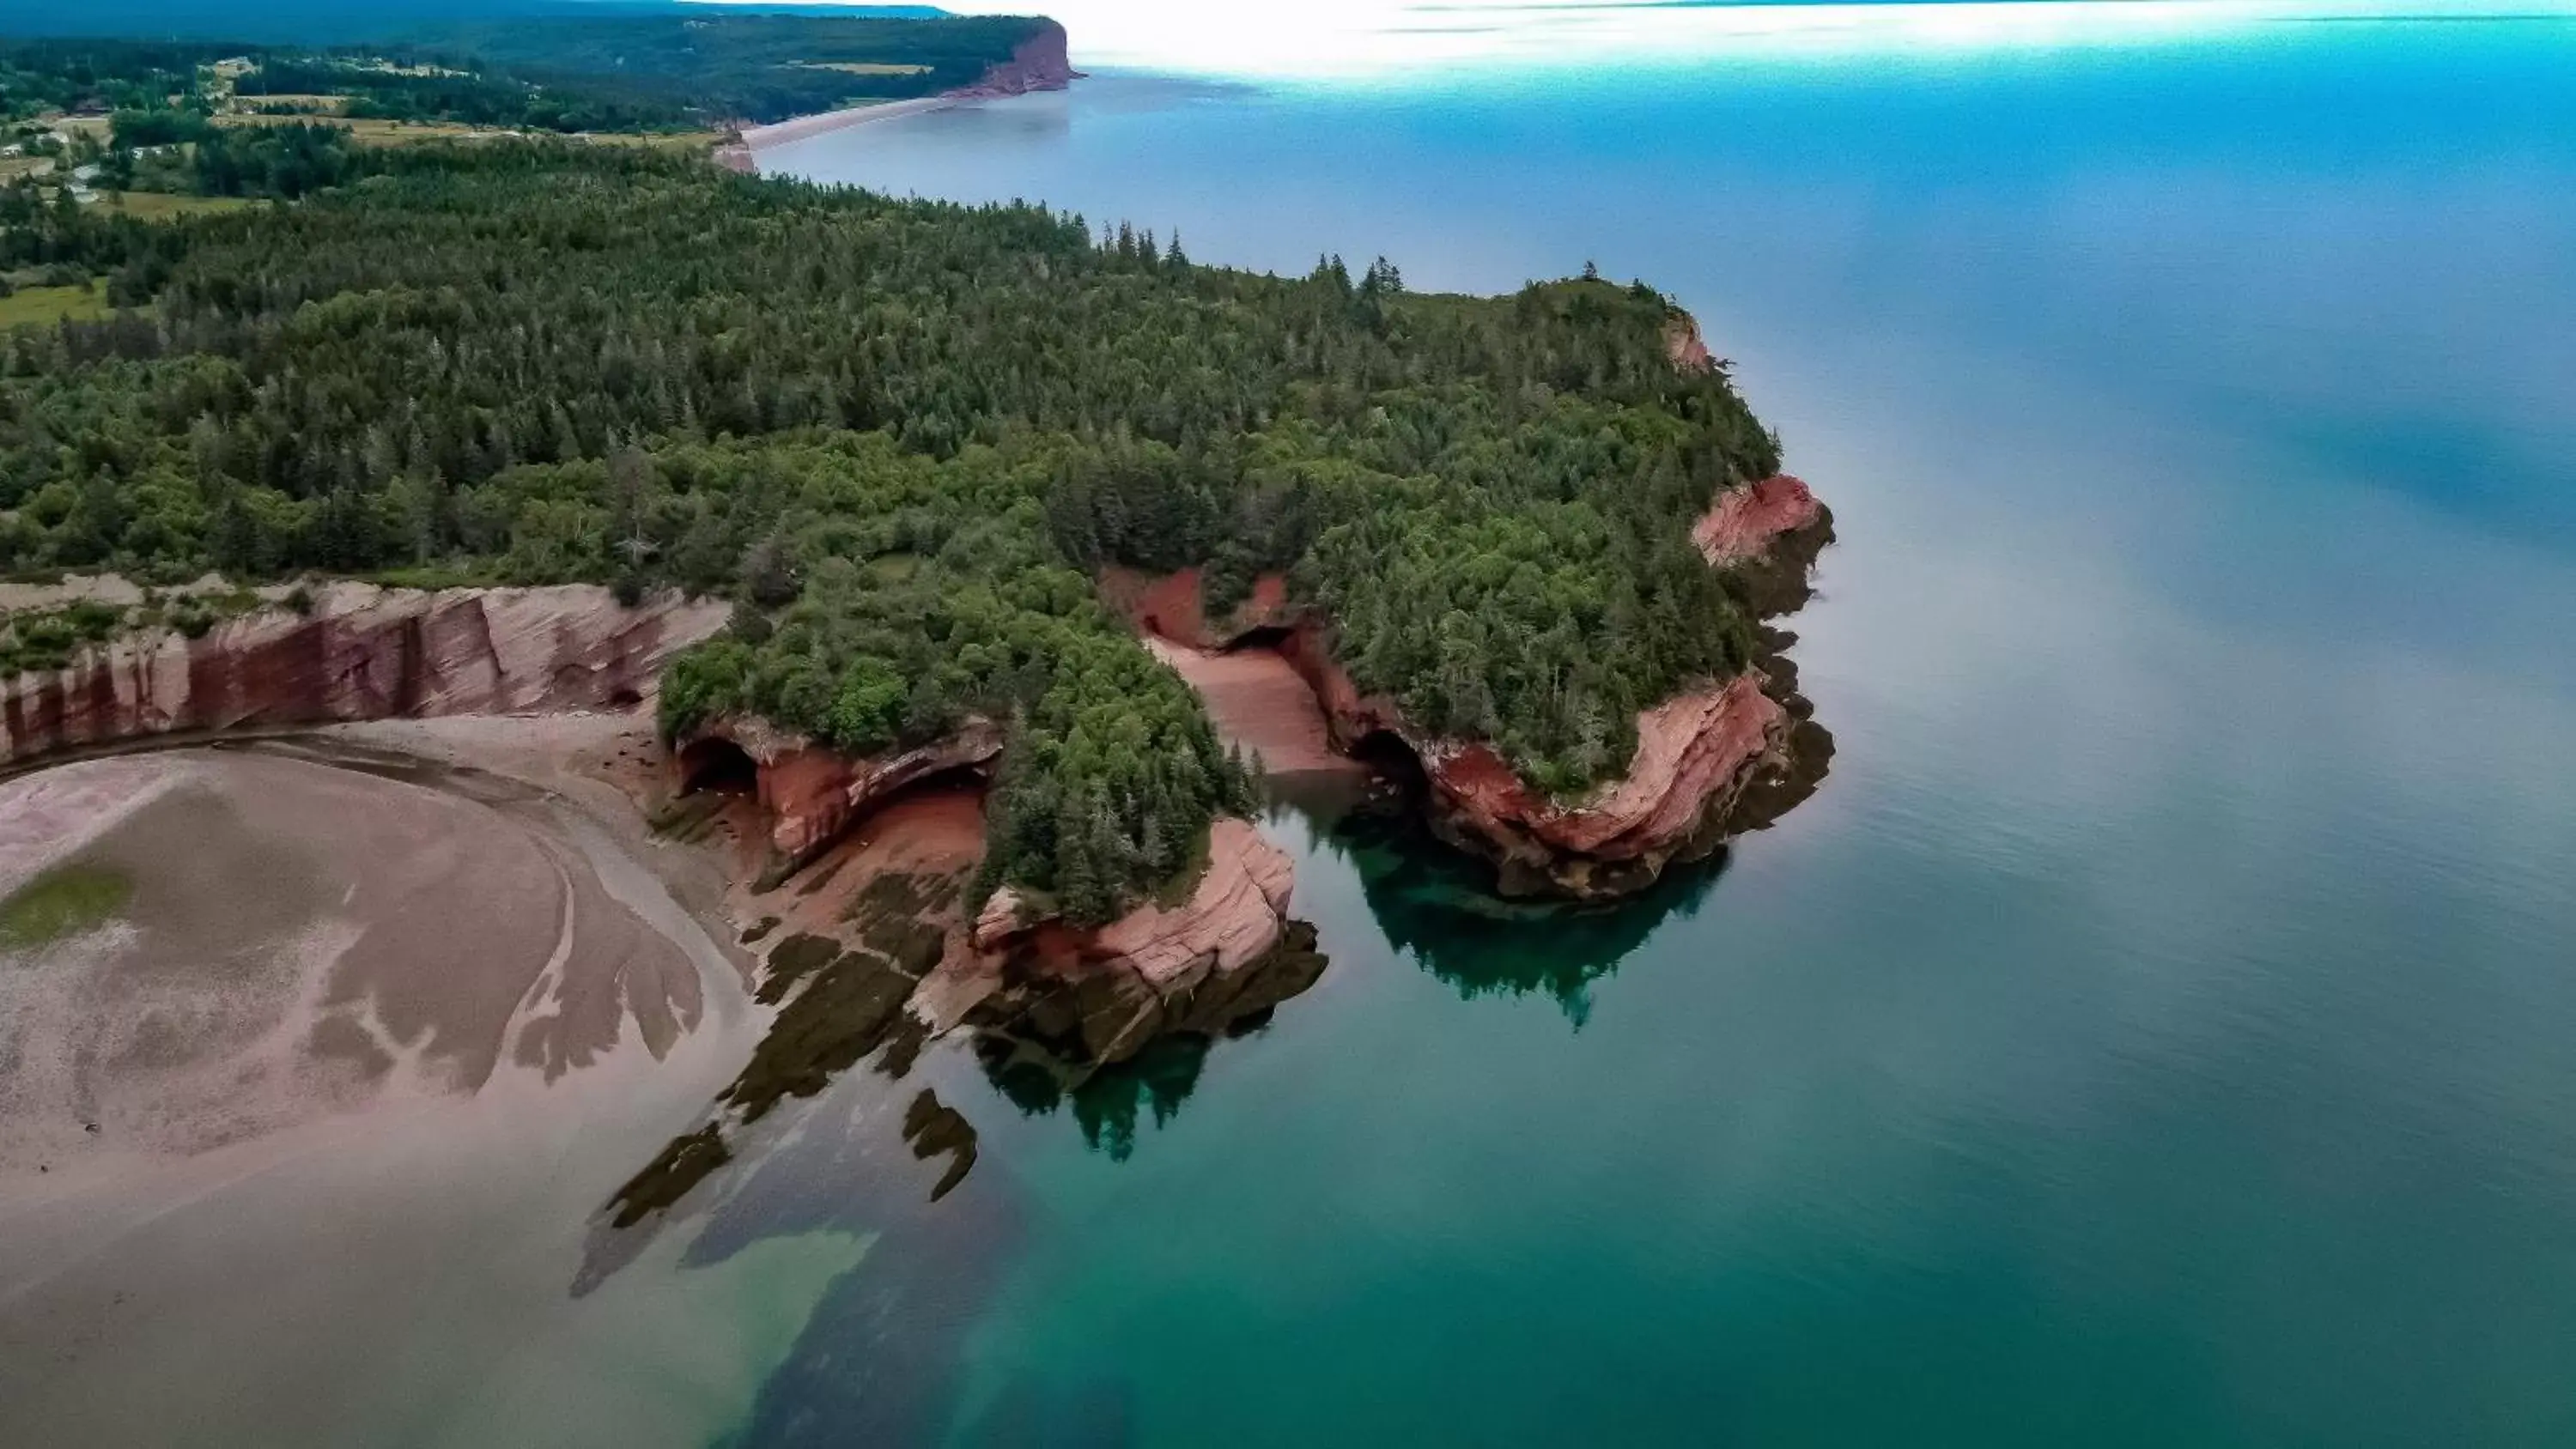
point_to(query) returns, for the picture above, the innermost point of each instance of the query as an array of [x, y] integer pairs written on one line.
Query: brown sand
[[300, 939], [1256, 700], [288, 1210]]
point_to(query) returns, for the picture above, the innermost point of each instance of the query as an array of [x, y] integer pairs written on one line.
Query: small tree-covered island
[[856, 493]]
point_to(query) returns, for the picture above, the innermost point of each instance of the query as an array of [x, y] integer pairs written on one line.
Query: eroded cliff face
[[810, 793], [1746, 523], [1708, 764], [1100, 994], [1683, 344], [361, 653], [1225, 952], [1698, 754], [1770, 533], [1039, 63]]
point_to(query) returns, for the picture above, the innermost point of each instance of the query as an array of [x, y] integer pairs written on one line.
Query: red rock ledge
[[808, 792], [1228, 950], [361, 653], [1195, 966], [1745, 522], [1699, 755]]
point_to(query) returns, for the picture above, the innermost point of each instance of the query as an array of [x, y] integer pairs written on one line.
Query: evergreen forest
[[902, 434]]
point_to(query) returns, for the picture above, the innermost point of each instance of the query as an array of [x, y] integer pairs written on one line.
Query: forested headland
[[901, 433]]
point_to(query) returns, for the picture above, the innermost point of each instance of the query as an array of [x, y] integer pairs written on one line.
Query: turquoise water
[[2161, 1029]]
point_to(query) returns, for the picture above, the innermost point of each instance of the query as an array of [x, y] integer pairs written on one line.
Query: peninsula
[[872, 501]]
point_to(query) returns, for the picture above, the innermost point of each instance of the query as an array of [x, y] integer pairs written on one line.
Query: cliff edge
[[809, 793], [1198, 965], [1039, 63], [360, 653], [1192, 964], [1709, 762]]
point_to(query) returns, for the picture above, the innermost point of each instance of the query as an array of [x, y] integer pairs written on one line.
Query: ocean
[[2158, 1028]]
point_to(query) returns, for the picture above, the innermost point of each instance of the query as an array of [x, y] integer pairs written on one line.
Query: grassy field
[[663, 141], [371, 132], [156, 206], [48, 305], [317, 104]]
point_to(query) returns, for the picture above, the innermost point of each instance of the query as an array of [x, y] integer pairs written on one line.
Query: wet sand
[[314, 1123], [326, 1126], [299, 938], [927, 832], [1256, 700]]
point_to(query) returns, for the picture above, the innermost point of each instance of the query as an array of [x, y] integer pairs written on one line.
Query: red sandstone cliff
[[1708, 762], [1744, 522], [1196, 966], [1697, 755], [809, 793], [362, 653], [1226, 951], [1039, 63], [1769, 533]]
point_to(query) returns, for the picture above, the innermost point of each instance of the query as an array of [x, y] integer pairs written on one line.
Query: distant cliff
[[1039, 63]]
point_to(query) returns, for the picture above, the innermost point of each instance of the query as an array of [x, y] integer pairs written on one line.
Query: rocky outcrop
[[1090, 996], [1769, 533], [1227, 951], [1745, 522], [1697, 754], [1683, 344], [1039, 63], [896, 968], [1708, 762], [809, 793], [360, 653]]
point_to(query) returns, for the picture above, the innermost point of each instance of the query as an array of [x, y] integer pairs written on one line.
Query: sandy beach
[[1256, 700], [301, 933], [797, 128]]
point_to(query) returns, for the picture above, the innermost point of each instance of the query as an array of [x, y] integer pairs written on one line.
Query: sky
[[1293, 36]]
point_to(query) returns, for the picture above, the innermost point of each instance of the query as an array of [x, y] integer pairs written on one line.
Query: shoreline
[[797, 128]]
